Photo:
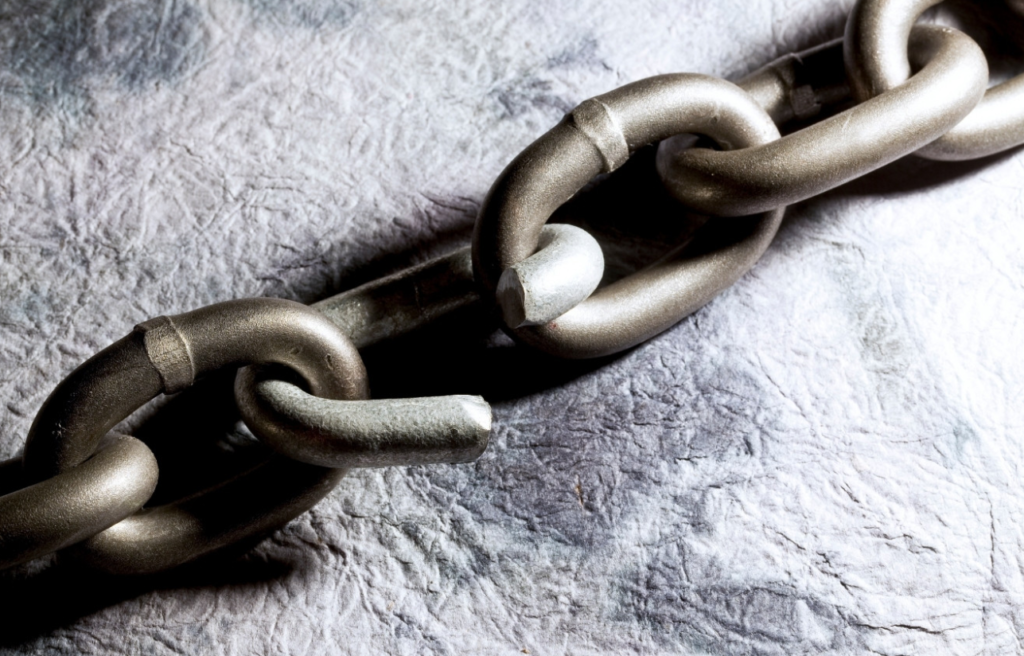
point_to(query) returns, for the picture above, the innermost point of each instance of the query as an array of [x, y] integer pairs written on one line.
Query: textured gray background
[[825, 459]]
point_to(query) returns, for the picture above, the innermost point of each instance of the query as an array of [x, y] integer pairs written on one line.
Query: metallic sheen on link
[[379, 432], [84, 500], [246, 507], [877, 33], [823, 156], [560, 163], [115, 382]]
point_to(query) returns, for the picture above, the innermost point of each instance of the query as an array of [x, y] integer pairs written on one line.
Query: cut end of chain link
[[565, 270]]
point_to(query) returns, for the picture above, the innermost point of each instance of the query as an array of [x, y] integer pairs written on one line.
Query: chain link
[[80, 490], [560, 163], [77, 504], [165, 355], [841, 148]]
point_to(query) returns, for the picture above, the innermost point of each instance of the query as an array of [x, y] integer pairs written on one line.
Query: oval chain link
[[597, 137], [166, 355]]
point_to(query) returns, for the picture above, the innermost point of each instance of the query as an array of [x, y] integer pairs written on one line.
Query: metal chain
[[81, 489]]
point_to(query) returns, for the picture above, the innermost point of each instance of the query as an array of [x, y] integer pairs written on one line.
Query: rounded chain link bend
[[60, 511], [80, 491], [565, 270], [876, 62], [861, 139]]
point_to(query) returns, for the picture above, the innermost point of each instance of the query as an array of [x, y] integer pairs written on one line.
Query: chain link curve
[[875, 48], [164, 355], [78, 503], [841, 148]]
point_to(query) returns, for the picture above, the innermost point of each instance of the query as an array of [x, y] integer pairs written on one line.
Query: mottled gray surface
[[825, 459]]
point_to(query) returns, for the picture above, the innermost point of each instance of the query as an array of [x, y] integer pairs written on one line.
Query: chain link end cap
[[597, 122], [565, 271]]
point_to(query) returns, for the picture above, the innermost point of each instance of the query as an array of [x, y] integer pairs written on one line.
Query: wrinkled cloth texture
[[825, 459]]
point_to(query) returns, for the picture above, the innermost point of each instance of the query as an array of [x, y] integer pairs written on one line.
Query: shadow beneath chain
[[63, 594]]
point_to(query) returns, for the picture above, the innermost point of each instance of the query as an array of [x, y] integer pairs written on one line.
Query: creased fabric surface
[[826, 458]]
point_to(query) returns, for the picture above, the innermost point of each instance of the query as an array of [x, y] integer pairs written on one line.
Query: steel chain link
[[81, 488]]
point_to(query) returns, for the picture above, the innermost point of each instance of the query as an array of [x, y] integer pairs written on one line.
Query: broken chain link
[[81, 489]]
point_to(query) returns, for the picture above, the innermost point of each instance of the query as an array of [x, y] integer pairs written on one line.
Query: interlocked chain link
[[902, 88]]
